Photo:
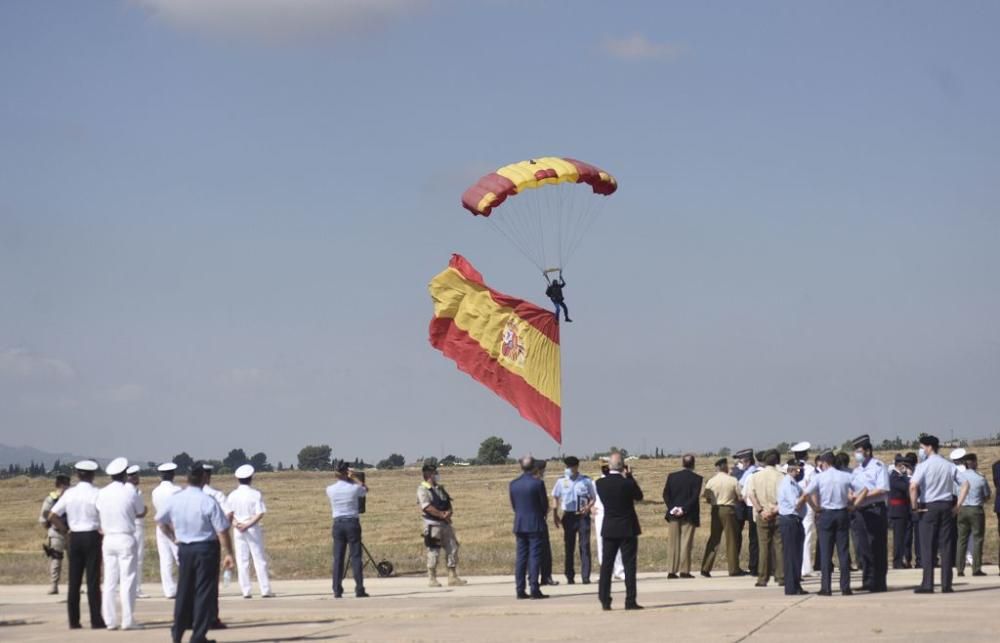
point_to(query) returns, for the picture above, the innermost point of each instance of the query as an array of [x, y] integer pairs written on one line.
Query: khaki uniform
[[764, 487], [55, 541], [722, 491], [438, 534]]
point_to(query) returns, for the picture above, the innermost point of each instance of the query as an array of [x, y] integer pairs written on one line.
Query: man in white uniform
[[246, 506], [801, 453], [132, 478], [118, 505], [166, 549]]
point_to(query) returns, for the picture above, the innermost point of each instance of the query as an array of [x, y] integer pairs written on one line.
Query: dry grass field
[[298, 523]]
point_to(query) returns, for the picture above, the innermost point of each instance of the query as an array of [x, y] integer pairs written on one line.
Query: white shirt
[[79, 506], [139, 524], [344, 498], [162, 493], [219, 497], [118, 505], [245, 503]]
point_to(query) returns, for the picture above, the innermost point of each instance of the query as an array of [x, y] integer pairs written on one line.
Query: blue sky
[[218, 220]]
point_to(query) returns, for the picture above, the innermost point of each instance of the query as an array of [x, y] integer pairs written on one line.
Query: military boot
[[453, 578], [432, 577]]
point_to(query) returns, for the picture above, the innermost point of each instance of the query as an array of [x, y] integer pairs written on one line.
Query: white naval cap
[[86, 465], [116, 466], [207, 467], [957, 454], [133, 469], [801, 446], [167, 466], [244, 471]]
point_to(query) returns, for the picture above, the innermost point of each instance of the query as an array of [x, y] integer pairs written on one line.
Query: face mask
[[740, 465], [568, 472], [436, 478], [859, 456], [921, 455]]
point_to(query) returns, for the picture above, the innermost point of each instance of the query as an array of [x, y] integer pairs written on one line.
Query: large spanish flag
[[509, 345]]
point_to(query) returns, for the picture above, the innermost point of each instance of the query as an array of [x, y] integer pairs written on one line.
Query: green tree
[[493, 450], [260, 463], [783, 448], [315, 458], [394, 461], [236, 458], [725, 452], [184, 462]]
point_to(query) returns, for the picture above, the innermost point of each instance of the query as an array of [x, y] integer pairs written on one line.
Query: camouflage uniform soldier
[[435, 504], [55, 543]]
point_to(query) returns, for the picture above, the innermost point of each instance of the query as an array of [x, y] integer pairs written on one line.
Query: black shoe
[[866, 588], [218, 625], [847, 592], [760, 584], [923, 590], [740, 572], [338, 594], [549, 581], [672, 576], [961, 574], [979, 573], [569, 320], [586, 581], [362, 594], [802, 592], [686, 575], [824, 592], [947, 590], [606, 607], [522, 596], [570, 581], [707, 574], [77, 626], [634, 606], [537, 596]]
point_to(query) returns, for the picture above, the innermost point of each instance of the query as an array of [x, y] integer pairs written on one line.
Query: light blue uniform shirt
[[979, 489], [574, 493], [195, 516], [936, 479], [789, 493], [833, 487], [745, 478], [344, 497], [872, 476]]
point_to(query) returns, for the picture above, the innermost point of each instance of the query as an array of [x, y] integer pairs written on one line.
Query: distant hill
[[26, 455]]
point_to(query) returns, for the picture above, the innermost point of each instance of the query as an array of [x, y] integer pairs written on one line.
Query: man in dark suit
[[680, 493], [531, 505], [620, 531], [996, 496]]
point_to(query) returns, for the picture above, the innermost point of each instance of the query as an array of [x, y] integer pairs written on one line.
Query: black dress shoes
[[707, 574], [923, 590], [538, 596], [671, 576], [802, 592], [686, 575], [362, 594], [606, 607], [634, 606], [522, 596], [947, 590], [824, 592], [847, 592]]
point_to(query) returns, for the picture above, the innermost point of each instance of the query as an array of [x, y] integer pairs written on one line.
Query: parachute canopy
[[549, 224]]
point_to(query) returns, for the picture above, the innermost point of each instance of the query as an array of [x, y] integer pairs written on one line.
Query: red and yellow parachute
[[547, 226]]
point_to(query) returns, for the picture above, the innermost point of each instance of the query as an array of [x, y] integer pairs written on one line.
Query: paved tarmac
[[405, 609]]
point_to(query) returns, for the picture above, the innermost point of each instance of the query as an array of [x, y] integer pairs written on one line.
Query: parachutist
[[554, 292]]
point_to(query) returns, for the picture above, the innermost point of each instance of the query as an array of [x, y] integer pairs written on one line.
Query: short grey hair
[[616, 462]]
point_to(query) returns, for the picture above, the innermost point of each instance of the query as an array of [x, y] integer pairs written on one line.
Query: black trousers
[[834, 526], [347, 532], [528, 561], [871, 537], [937, 527], [197, 602], [629, 547], [576, 525], [902, 539], [743, 518], [793, 536], [84, 555], [915, 528], [546, 561]]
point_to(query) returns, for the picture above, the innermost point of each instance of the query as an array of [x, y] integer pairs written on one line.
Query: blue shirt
[[789, 493], [936, 479], [979, 489], [195, 516], [344, 497], [872, 476], [833, 487], [574, 493]]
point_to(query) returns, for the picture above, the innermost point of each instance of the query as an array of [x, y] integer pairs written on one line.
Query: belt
[[899, 502], [829, 510], [791, 516], [342, 518]]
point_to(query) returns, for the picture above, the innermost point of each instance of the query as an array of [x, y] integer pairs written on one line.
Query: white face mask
[[859, 456], [568, 472], [436, 479], [921, 455]]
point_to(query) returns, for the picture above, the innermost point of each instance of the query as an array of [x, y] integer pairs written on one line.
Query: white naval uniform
[[140, 542], [245, 503], [808, 523], [165, 548], [619, 570], [117, 506]]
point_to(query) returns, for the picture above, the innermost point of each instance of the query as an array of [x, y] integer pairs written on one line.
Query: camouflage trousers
[[443, 537], [57, 543]]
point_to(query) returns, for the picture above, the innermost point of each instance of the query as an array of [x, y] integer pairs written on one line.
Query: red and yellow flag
[[509, 345]]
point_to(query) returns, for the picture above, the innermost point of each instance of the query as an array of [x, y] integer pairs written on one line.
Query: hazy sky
[[218, 220]]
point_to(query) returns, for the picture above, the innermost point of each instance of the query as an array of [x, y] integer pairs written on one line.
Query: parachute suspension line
[[519, 246]]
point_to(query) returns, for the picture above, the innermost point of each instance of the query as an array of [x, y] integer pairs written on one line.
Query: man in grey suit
[[531, 505]]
